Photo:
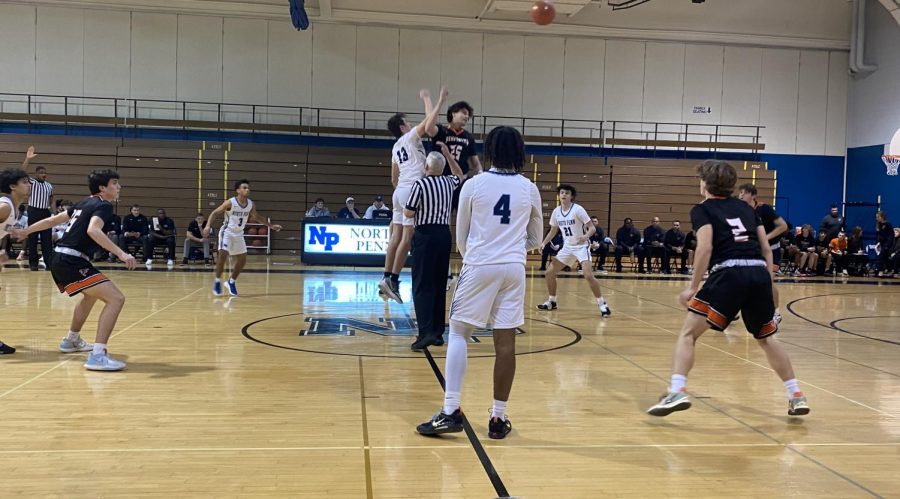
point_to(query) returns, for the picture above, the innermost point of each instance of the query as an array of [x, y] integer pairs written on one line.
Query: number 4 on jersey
[[501, 209]]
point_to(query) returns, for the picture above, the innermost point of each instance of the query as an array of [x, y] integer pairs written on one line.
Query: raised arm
[[454, 166], [428, 125], [29, 155], [47, 223]]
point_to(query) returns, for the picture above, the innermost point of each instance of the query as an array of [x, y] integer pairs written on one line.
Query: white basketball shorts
[[234, 244], [570, 256], [401, 196], [492, 294]]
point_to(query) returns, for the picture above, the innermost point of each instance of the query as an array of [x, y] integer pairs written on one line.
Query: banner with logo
[[345, 242]]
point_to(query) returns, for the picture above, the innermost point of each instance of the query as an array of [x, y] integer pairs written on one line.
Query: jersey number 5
[[501, 209], [75, 215], [738, 229]]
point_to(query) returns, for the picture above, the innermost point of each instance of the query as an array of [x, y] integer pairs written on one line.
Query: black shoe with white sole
[[442, 423]]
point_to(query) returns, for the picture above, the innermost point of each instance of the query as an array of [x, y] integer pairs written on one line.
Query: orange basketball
[[263, 231], [543, 12], [257, 242], [251, 231]]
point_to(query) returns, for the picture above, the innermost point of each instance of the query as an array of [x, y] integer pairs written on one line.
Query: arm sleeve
[[415, 197], [536, 222], [464, 217]]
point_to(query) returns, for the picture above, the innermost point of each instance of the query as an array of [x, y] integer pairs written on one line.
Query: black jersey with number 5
[[734, 226], [76, 236]]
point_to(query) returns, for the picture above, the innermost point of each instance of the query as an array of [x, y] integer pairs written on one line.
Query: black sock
[[387, 274], [394, 277]]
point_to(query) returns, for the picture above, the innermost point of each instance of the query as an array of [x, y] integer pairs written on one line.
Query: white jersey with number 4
[[409, 154], [236, 218], [499, 218], [572, 224]]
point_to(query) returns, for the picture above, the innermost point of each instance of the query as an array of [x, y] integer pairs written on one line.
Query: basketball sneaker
[[604, 308], [6, 349], [777, 318], [217, 288], [797, 406], [73, 346], [391, 288], [442, 423], [499, 428], [103, 362], [232, 287], [669, 403], [382, 295], [547, 305]]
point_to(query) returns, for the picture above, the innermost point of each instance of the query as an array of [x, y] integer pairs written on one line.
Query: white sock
[[600, 300], [218, 280], [553, 298], [678, 383], [499, 409], [793, 386], [231, 279], [455, 364], [73, 335], [777, 311], [99, 348]]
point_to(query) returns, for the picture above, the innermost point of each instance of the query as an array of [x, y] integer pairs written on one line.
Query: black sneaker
[[499, 428], [426, 340], [438, 339], [6, 349], [442, 423], [547, 305]]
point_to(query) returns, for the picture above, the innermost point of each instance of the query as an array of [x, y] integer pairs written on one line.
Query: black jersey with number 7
[[734, 226]]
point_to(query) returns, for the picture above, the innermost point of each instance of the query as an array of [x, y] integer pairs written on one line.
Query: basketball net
[[892, 162]]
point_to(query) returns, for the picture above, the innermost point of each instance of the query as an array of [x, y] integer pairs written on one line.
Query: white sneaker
[[148, 262], [777, 317], [73, 346], [604, 308], [170, 262], [103, 362], [844, 273]]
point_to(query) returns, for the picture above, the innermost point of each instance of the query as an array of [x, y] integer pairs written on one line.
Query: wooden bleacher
[[285, 180]]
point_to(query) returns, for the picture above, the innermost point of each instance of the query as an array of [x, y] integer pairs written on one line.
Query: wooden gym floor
[[226, 397]]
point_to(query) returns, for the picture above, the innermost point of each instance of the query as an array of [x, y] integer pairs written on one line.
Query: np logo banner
[[332, 238]]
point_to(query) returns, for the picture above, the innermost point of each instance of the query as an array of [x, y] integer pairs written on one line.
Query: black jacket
[[138, 223], [627, 237]]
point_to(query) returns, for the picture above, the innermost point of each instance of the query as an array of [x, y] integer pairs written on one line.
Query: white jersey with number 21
[[571, 224]]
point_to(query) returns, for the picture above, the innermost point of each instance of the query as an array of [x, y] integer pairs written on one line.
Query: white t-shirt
[[236, 218], [572, 224], [10, 220], [499, 218], [409, 154]]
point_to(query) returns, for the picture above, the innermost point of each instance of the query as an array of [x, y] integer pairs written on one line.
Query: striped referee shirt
[[431, 198], [40, 194]]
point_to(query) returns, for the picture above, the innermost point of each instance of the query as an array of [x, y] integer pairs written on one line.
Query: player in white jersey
[[498, 221], [577, 229], [15, 187], [407, 166], [238, 211]]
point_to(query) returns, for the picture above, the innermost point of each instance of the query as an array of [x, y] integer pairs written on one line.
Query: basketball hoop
[[892, 162]]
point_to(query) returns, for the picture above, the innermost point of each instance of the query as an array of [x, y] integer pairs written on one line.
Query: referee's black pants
[[36, 215], [430, 267]]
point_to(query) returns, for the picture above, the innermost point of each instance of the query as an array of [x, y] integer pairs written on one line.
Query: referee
[[430, 202], [38, 209]]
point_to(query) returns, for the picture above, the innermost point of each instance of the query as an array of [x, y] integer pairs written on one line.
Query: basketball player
[[577, 228], [238, 211], [731, 239], [407, 166], [499, 219], [72, 270], [15, 187], [775, 226]]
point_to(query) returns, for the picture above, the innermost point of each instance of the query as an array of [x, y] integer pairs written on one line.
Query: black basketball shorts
[[74, 274], [747, 290]]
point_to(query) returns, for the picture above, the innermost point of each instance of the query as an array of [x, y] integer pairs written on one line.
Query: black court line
[[706, 401], [832, 325], [473, 439]]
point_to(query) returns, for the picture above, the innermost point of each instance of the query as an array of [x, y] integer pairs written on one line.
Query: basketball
[[257, 243], [543, 12], [263, 231], [251, 231]]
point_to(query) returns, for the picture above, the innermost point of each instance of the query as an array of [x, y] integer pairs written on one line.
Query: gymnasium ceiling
[[792, 23]]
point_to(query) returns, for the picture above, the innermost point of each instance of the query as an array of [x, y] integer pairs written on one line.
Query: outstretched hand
[[443, 147], [276, 227], [424, 94], [129, 261], [30, 154], [444, 93]]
